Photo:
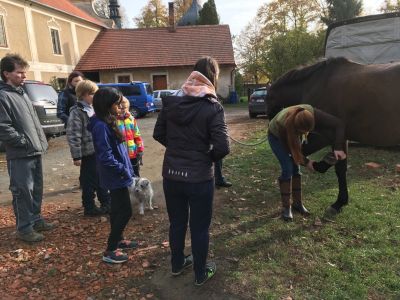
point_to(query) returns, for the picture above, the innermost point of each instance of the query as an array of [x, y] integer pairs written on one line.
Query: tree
[[289, 50], [208, 15], [280, 16], [390, 6], [338, 10], [181, 7], [250, 48], [154, 14]]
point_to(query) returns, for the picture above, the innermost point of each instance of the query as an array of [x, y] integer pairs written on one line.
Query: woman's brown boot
[[297, 197], [285, 186]]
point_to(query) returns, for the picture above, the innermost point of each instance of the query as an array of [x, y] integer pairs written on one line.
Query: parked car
[[257, 102], [44, 99], [139, 94], [158, 95]]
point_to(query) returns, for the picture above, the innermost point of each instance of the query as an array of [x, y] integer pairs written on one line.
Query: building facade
[[164, 57], [51, 35]]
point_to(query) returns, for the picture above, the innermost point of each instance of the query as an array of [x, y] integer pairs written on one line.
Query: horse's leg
[[343, 196], [316, 142]]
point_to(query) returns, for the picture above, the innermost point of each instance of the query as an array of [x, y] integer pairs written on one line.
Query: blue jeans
[[189, 202], [26, 186], [289, 168]]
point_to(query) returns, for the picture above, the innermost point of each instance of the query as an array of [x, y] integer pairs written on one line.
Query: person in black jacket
[[191, 125], [67, 98]]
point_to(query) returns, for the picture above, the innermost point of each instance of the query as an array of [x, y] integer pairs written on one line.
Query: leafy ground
[[258, 255]]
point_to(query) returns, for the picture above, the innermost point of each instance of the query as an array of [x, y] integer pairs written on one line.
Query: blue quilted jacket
[[113, 164]]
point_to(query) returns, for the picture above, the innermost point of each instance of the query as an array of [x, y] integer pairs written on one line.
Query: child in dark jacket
[[114, 168], [127, 124], [82, 150]]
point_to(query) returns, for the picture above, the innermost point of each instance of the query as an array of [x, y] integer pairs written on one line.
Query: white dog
[[142, 191]]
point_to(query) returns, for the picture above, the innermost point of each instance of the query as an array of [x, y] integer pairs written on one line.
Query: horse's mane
[[304, 72]]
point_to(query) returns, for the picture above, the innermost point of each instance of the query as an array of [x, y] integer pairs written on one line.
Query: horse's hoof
[[330, 214]]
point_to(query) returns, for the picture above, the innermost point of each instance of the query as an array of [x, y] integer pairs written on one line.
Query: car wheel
[[252, 115], [135, 112]]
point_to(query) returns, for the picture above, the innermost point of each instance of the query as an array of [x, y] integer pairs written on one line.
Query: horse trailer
[[373, 39]]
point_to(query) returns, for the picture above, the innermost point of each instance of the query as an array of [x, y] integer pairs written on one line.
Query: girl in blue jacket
[[114, 168]]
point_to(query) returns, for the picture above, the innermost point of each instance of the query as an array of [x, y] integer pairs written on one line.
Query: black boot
[[297, 196], [285, 186]]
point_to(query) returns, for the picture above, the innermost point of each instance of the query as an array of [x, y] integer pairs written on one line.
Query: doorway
[[160, 82]]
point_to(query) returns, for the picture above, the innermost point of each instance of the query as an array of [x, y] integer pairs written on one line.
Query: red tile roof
[[67, 7], [157, 47]]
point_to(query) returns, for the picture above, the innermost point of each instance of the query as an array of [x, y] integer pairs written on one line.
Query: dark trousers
[[26, 186], [120, 214], [193, 202], [219, 179], [135, 166], [90, 184]]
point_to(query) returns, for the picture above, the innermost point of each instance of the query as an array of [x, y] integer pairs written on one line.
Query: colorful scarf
[[197, 85], [128, 126]]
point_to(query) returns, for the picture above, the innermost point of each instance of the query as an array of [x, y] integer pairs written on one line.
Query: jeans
[[26, 186], [189, 202], [90, 184], [288, 167], [121, 212]]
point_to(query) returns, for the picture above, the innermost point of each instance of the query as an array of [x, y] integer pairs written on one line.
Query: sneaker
[[127, 244], [186, 263], [223, 184], [43, 226], [211, 269], [30, 237], [115, 257], [95, 211]]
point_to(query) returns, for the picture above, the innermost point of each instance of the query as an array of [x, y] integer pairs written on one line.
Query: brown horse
[[365, 97]]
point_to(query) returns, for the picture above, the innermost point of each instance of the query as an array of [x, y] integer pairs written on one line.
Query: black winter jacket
[[194, 132], [66, 100], [20, 128]]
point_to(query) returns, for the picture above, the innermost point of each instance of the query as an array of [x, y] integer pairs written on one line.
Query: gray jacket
[[20, 128], [79, 138]]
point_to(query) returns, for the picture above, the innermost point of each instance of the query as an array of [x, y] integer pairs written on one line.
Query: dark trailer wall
[[371, 39]]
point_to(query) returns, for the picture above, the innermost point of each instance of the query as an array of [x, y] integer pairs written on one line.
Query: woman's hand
[[339, 154], [309, 165], [77, 163]]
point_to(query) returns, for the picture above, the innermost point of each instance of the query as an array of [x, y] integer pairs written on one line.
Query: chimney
[[171, 18]]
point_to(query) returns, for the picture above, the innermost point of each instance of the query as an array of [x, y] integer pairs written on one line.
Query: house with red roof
[[162, 56], [52, 35]]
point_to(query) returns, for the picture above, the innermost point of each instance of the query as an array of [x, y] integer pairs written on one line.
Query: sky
[[236, 13]]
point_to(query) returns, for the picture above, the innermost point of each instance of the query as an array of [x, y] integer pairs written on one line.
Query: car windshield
[[155, 94], [260, 92], [41, 92]]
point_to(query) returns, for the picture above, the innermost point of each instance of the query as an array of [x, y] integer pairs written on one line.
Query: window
[[55, 39], [130, 90], [3, 37], [124, 79]]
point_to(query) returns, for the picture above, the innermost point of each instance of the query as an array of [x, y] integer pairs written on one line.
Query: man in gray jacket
[[25, 142]]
